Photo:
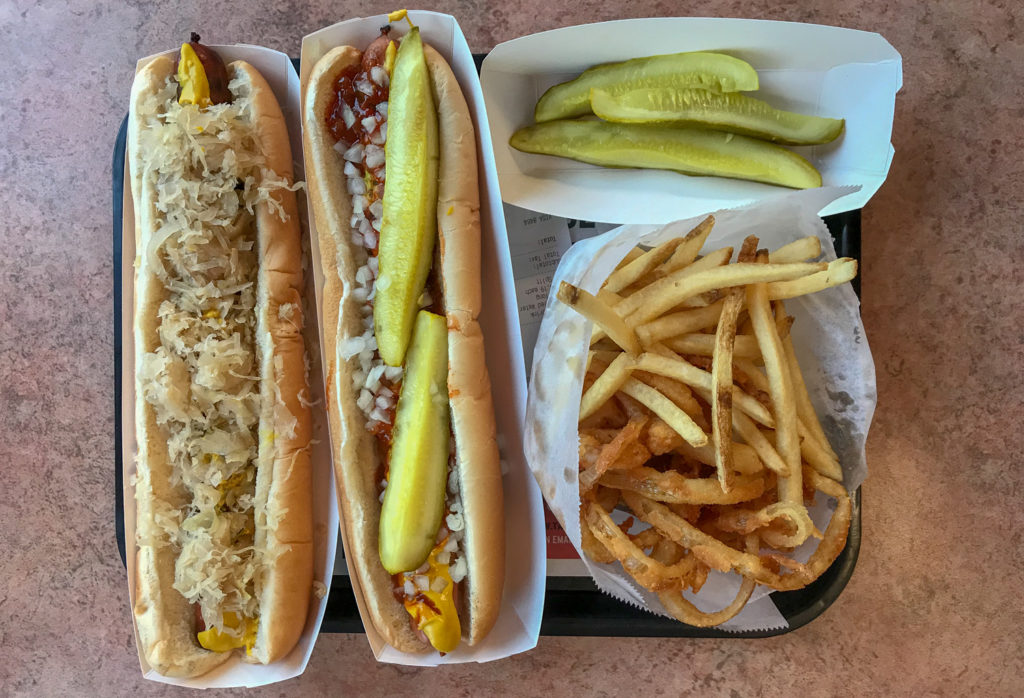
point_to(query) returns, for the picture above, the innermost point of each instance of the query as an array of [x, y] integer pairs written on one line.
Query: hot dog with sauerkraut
[[224, 528]]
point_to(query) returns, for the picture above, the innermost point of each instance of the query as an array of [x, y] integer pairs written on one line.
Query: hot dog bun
[[281, 532], [457, 264]]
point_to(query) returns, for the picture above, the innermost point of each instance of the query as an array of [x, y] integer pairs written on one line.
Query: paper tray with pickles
[[599, 121]]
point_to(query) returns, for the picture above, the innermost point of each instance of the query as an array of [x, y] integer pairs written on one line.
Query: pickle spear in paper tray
[[722, 430]]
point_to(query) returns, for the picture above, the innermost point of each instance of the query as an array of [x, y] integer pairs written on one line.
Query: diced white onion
[[422, 582], [364, 86], [359, 205], [379, 75], [383, 133], [369, 123], [355, 153], [451, 546], [370, 240], [365, 399], [351, 170], [455, 522], [341, 147], [392, 373], [375, 224], [377, 209], [356, 186], [378, 137], [373, 378], [409, 588], [374, 156], [382, 109], [444, 557], [372, 263], [459, 570], [438, 584], [347, 115]]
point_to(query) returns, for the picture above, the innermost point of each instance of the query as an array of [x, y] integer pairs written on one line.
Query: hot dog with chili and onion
[[223, 481], [391, 166]]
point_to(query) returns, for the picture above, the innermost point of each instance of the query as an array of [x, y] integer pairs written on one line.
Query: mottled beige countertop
[[935, 605]]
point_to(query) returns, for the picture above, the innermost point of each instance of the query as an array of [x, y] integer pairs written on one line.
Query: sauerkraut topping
[[206, 170]]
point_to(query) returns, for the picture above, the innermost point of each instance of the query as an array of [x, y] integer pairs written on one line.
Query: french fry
[[745, 460], [642, 265], [689, 248], [838, 272], [677, 339], [683, 371], [704, 345], [607, 384], [787, 438], [601, 314], [660, 296], [721, 374], [626, 308], [675, 324], [797, 251], [804, 408], [667, 410]]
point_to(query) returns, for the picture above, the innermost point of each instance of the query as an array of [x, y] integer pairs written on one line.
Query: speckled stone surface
[[935, 606]]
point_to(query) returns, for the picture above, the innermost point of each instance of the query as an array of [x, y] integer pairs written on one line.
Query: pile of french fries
[[695, 417]]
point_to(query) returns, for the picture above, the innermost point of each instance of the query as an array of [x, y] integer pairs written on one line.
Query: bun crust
[[283, 518], [356, 457]]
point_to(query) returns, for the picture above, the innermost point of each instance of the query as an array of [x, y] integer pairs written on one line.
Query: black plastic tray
[[572, 605]]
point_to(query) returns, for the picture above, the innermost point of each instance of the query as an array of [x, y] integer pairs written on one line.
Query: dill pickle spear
[[723, 112], [686, 150], [418, 474], [409, 223], [701, 69]]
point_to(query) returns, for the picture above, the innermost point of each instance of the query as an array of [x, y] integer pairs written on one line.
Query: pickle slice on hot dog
[[414, 499], [409, 227]]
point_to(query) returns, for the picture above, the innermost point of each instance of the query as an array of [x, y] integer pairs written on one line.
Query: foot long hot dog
[[224, 529], [391, 163]]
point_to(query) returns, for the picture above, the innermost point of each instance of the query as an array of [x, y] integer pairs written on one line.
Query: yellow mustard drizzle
[[216, 641], [195, 87], [441, 626]]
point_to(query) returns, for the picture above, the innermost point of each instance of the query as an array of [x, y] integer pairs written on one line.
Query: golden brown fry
[[787, 438], [744, 461], [642, 265], [721, 376], [689, 248], [764, 448], [671, 487], [606, 385], [804, 408], [668, 364], [838, 272], [601, 314], [677, 392], [797, 251], [660, 296], [704, 345], [666, 409], [675, 324]]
